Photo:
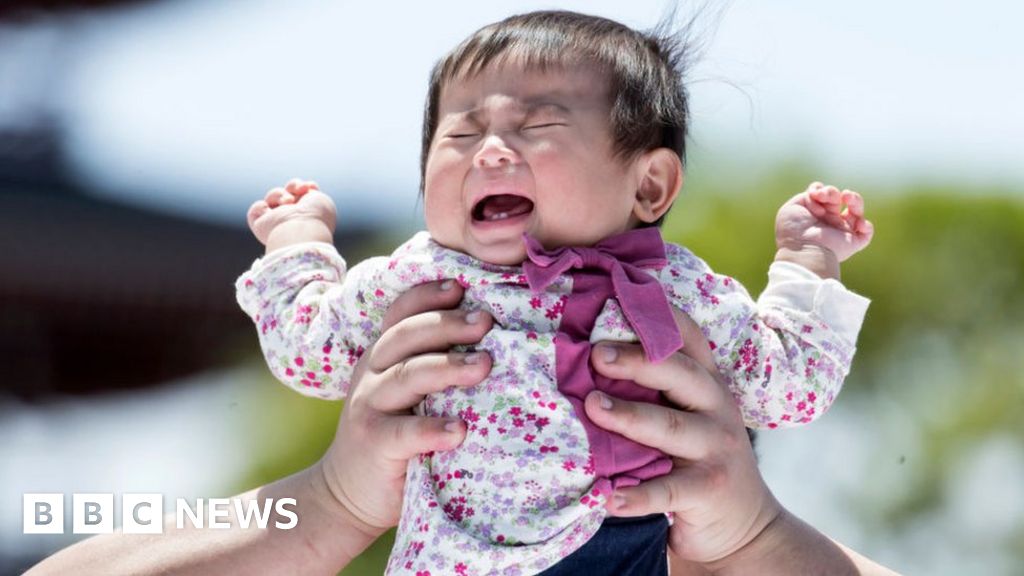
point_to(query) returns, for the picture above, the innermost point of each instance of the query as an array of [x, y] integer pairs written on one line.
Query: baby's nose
[[495, 153]]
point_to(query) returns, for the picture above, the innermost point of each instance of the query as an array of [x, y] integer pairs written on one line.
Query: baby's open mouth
[[500, 207]]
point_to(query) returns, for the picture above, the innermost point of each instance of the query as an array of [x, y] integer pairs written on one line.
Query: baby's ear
[[660, 179]]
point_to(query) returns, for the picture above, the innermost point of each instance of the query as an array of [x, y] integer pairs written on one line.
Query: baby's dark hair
[[649, 106]]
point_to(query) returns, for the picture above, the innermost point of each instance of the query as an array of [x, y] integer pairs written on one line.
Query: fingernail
[[473, 358], [619, 500], [609, 353], [605, 400], [452, 425], [473, 317], [447, 285]]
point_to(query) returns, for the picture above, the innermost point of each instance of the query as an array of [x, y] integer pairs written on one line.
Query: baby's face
[[526, 151]]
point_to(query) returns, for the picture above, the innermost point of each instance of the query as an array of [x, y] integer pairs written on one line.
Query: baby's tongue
[[509, 204]]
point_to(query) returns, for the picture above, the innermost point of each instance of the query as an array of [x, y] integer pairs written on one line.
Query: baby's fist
[[299, 211], [823, 216]]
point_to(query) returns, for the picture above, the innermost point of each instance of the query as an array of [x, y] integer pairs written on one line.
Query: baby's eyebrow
[[545, 103], [541, 103]]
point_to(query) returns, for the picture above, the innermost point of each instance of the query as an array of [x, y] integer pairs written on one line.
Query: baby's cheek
[[442, 216]]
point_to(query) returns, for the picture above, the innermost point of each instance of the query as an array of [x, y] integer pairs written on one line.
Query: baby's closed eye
[[543, 125]]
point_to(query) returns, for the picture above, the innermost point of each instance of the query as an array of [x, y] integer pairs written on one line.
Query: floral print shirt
[[521, 493]]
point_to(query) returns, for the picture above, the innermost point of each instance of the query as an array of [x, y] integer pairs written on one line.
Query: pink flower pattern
[[518, 495]]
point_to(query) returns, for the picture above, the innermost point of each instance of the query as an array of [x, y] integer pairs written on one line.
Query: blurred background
[[134, 135]]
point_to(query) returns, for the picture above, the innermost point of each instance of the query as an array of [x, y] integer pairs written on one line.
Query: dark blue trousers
[[621, 547]]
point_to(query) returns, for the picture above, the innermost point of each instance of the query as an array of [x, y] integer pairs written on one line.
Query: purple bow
[[639, 294]]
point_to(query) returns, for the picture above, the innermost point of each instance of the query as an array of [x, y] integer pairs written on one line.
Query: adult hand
[[726, 519], [715, 491], [348, 498], [411, 359]]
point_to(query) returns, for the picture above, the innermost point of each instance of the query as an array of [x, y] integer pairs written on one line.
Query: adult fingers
[[695, 345], [688, 435], [404, 384], [400, 437], [682, 380], [428, 332], [423, 298], [676, 491]]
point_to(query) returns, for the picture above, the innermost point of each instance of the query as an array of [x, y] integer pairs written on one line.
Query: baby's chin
[[501, 256], [509, 253]]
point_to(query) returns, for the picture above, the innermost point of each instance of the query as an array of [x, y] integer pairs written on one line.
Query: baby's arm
[[297, 213], [310, 313], [785, 357], [821, 227]]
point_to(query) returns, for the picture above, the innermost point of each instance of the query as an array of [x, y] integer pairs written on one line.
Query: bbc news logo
[[144, 513]]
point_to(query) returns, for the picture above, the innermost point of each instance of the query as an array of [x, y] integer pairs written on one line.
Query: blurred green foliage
[[944, 334]]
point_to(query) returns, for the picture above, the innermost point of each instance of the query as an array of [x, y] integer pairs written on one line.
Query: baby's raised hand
[[824, 216], [298, 212]]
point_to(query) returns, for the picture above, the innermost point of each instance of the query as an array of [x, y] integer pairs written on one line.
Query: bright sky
[[204, 105]]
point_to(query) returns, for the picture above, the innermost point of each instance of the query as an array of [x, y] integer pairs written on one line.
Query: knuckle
[[360, 404], [398, 432], [673, 494], [675, 425], [400, 373]]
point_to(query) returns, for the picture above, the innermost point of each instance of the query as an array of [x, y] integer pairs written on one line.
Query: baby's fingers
[[865, 228], [828, 197], [258, 209], [298, 187], [854, 203], [278, 196]]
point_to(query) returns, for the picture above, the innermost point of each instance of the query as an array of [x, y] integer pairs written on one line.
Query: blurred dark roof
[[96, 295], [24, 9]]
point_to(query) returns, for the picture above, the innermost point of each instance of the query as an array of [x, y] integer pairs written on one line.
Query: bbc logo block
[[92, 513], [142, 513], [43, 513]]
